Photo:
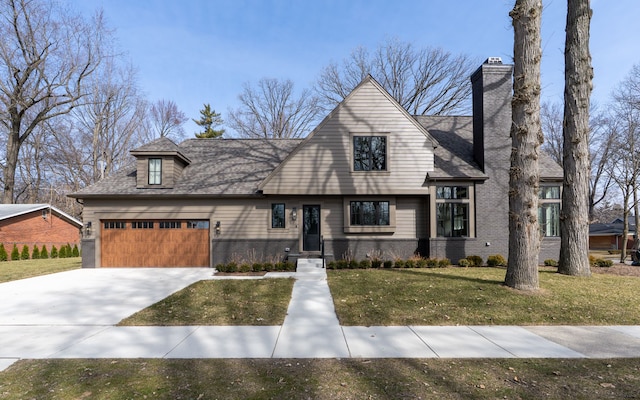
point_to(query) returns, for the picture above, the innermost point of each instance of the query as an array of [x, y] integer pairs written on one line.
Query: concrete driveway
[[101, 296]]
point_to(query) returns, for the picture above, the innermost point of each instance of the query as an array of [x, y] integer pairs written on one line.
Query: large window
[[549, 211], [369, 153], [452, 219], [453, 211], [155, 171], [277, 216], [370, 213]]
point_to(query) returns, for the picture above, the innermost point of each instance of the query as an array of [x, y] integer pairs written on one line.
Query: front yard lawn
[[476, 296], [14, 270], [220, 302]]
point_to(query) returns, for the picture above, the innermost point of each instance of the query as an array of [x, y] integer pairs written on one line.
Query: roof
[[218, 167], [453, 159], [609, 229], [8, 211]]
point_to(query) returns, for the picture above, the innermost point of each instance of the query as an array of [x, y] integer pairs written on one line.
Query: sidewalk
[[311, 330]]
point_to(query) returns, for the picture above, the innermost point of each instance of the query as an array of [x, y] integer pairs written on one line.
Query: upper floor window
[[277, 215], [369, 153], [155, 171], [369, 213]]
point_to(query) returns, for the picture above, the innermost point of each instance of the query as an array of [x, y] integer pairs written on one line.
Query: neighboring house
[[369, 179], [609, 236], [37, 224]]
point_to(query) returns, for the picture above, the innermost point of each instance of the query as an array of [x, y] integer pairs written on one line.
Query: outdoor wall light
[[217, 227], [87, 229], [294, 213]]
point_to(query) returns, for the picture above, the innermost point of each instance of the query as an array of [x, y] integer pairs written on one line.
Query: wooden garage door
[[155, 243]]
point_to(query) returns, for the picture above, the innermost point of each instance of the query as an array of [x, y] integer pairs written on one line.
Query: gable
[[323, 163]]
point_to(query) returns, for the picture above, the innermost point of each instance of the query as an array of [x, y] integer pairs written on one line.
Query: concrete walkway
[[310, 330]]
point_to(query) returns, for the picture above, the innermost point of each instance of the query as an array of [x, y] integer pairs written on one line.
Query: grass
[[476, 296], [321, 379], [220, 302], [14, 270]]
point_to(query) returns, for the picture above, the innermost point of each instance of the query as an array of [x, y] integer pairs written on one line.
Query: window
[[452, 219], [197, 224], [170, 225], [115, 225], [453, 211], [369, 213], [277, 216], [142, 225], [155, 171], [452, 192], [369, 153], [549, 211]]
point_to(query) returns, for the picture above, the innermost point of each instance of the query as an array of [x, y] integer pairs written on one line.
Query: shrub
[[257, 267], [444, 262], [601, 262], [376, 263], [3, 253], [268, 266], [332, 265], [230, 267], [342, 264], [364, 264], [75, 252], [63, 252], [550, 262], [244, 267], [54, 252], [24, 255], [44, 254], [35, 254], [421, 263], [432, 262], [387, 263], [410, 263], [464, 262], [399, 263], [354, 264], [496, 260], [15, 253], [220, 267], [289, 266], [474, 261]]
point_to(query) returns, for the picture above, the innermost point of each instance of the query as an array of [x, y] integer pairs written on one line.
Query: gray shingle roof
[[218, 167]]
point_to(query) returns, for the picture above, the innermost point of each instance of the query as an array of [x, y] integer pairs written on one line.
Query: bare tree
[[574, 215], [551, 120], [167, 120], [271, 111], [526, 138], [46, 54], [424, 81]]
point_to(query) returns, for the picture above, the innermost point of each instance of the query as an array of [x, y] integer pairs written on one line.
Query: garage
[[154, 243]]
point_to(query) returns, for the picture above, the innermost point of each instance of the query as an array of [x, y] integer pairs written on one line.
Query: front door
[[311, 228]]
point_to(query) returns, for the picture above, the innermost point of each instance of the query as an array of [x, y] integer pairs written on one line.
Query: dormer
[[159, 164]]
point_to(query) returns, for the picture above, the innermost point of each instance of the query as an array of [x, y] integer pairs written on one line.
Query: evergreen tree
[[75, 252], [25, 253], [44, 254], [63, 252], [3, 253], [209, 120], [54, 252], [15, 253], [36, 252]]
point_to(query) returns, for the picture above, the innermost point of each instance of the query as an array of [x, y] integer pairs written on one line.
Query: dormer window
[[155, 171], [369, 153]]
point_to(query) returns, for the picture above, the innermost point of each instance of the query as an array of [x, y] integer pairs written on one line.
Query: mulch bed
[[618, 269]]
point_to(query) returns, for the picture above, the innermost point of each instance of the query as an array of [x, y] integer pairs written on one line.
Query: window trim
[[156, 174], [348, 228], [387, 155]]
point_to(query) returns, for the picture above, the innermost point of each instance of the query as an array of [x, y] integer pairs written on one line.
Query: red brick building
[[37, 224]]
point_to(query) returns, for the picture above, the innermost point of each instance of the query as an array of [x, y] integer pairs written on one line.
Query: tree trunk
[[574, 217], [11, 162], [526, 137]]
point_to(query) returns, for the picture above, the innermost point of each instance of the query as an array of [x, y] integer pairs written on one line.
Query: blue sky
[[203, 51]]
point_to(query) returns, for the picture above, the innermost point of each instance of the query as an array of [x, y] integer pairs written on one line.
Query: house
[[369, 179], [37, 224], [610, 236]]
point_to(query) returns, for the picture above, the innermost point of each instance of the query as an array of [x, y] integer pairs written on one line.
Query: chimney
[[492, 90]]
